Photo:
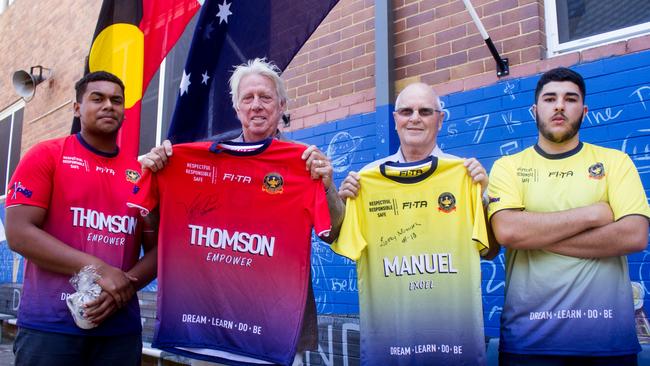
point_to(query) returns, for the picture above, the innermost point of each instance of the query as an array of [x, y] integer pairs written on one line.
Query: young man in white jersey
[[568, 212]]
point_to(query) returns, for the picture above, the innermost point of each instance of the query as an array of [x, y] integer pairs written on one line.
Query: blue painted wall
[[488, 123]]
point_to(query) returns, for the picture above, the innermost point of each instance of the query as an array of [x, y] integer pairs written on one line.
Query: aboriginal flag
[[229, 33], [131, 39]]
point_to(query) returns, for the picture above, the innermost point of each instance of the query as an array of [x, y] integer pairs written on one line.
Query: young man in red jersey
[[66, 209]]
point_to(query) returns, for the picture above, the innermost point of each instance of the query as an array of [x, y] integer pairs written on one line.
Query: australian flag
[[229, 33]]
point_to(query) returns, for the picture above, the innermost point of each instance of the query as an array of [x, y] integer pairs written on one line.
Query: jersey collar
[[95, 151], [563, 155], [430, 162], [238, 148]]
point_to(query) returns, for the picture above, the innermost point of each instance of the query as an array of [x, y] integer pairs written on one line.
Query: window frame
[[11, 112], [555, 48]]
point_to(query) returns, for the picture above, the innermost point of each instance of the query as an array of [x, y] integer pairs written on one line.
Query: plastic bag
[[85, 282]]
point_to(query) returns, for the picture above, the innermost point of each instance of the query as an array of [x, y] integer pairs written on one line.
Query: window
[[577, 24], [11, 129]]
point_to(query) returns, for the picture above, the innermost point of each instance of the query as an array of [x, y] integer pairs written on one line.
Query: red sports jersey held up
[[234, 247]]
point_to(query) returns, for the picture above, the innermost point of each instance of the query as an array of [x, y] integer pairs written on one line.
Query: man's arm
[[518, 229], [625, 236], [25, 236], [144, 271]]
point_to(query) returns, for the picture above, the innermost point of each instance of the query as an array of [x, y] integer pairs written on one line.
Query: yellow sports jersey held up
[[416, 231]]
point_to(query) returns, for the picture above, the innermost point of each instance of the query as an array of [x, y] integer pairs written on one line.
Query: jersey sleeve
[[504, 192], [145, 193], [351, 242], [625, 190], [32, 181], [479, 232], [322, 224]]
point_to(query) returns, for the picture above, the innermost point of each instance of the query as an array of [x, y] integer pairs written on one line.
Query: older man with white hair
[[260, 100]]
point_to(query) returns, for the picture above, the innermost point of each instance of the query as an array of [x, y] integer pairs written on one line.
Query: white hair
[[257, 66]]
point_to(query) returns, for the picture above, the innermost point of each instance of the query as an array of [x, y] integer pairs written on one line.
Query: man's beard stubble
[[575, 127]]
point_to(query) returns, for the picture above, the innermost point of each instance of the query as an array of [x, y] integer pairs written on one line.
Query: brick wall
[[56, 35], [332, 76]]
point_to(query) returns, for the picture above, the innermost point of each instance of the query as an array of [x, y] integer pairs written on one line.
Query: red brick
[[307, 89], [400, 73], [435, 26], [352, 30], [341, 23], [514, 58], [612, 49], [449, 87], [499, 6], [431, 4], [421, 68], [521, 13], [452, 60], [491, 22], [364, 84], [460, 18], [519, 71], [329, 39], [297, 81], [405, 12], [350, 99], [524, 41], [451, 34], [437, 51], [419, 19], [408, 59], [340, 68], [464, 44], [370, 24], [342, 90], [330, 82], [304, 111], [436, 77], [337, 114], [505, 32], [420, 43], [468, 69], [329, 60], [531, 25], [353, 7], [365, 60], [532, 54], [296, 124], [478, 53], [565, 60], [407, 35], [364, 38], [638, 43], [354, 75], [370, 48], [317, 75], [449, 9], [314, 119], [480, 80], [329, 105], [363, 15], [364, 107]]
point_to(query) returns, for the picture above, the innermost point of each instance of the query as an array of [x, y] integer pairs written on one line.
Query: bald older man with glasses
[[418, 118]]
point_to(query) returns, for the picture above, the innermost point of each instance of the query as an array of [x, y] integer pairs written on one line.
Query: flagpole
[[503, 68]]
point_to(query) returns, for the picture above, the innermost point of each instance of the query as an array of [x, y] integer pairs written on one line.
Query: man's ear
[[442, 119], [534, 110], [75, 109]]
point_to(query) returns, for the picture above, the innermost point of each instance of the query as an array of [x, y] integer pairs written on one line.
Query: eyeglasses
[[423, 112]]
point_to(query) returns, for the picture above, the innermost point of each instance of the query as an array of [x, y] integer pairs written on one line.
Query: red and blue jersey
[[84, 192], [234, 248]]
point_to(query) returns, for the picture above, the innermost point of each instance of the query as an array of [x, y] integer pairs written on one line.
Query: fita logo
[[446, 202], [132, 175], [597, 171], [273, 183], [19, 188]]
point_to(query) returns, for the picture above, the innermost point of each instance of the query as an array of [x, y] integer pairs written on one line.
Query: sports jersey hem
[[75, 332], [635, 214], [35, 204], [174, 348], [503, 209], [576, 352]]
